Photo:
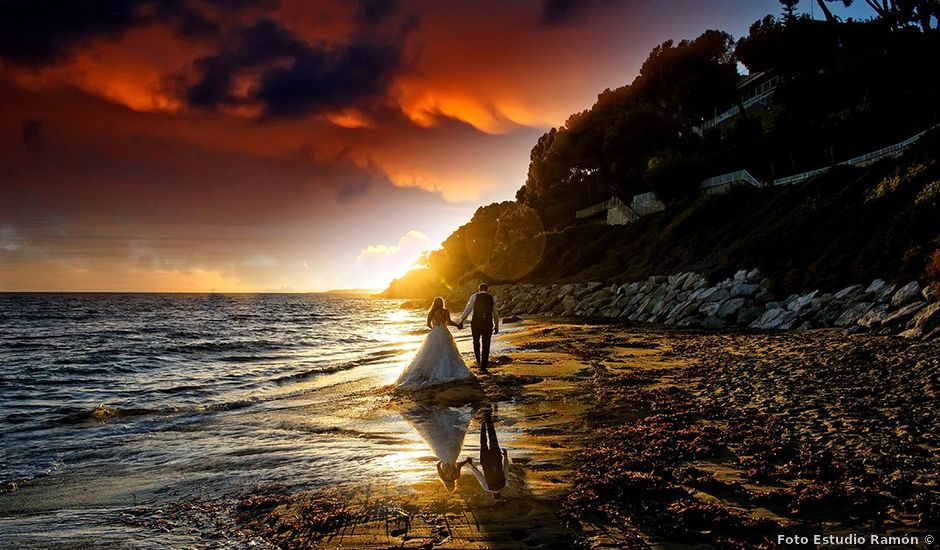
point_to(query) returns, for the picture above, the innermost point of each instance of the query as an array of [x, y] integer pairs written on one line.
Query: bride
[[438, 360]]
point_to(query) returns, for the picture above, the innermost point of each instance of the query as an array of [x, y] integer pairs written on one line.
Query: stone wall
[[742, 301]]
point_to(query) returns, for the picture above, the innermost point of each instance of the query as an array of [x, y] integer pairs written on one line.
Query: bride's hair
[[436, 307], [448, 474]]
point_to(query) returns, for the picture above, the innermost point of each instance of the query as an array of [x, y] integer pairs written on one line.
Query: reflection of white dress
[[437, 362], [442, 428]]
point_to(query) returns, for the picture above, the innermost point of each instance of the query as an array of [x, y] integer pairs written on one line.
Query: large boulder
[[764, 296], [872, 319], [774, 319], [929, 293], [901, 316], [694, 282], [879, 290], [926, 321], [801, 302], [730, 307], [748, 315], [906, 294], [847, 292], [744, 289], [710, 309], [851, 316], [712, 321], [568, 303]]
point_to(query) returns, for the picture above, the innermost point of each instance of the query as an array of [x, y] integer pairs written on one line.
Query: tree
[[901, 13], [789, 9]]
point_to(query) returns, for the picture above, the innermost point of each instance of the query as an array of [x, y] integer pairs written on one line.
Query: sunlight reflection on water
[[208, 398]]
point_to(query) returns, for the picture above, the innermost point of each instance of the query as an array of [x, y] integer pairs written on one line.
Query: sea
[[141, 420]]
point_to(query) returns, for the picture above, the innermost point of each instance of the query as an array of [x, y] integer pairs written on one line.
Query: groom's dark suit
[[482, 323]]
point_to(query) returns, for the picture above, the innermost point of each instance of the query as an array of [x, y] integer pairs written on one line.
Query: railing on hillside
[[625, 215], [646, 203], [884, 152], [741, 176], [592, 210], [762, 99]]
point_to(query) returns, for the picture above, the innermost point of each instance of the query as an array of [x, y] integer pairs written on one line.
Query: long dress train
[[437, 362]]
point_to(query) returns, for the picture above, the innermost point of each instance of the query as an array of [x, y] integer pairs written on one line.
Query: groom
[[483, 326]]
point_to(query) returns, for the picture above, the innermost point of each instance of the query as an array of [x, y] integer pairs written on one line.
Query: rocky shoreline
[[742, 301]]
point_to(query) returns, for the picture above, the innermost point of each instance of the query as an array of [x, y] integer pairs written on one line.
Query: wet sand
[[631, 438]]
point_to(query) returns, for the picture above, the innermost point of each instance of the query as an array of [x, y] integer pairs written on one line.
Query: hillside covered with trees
[[845, 88]]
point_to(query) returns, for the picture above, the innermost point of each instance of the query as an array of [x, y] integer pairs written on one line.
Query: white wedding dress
[[442, 428], [437, 362]]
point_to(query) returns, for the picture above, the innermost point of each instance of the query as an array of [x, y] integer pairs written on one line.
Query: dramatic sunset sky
[[238, 145]]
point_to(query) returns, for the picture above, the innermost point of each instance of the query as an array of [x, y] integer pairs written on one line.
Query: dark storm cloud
[[307, 79], [375, 11], [39, 33], [323, 79], [256, 45], [562, 11], [30, 133]]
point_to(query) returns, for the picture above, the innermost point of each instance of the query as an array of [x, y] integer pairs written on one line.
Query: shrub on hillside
[[933, 270]]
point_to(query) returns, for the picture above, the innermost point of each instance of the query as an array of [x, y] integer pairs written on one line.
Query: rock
[[783, 321], [906, 294], [847, 292], [873, 318], [902, 315], [879, 290], [694, 282], [753, 275], [851, 316], [705, 294], [740, 276], [710, 308], [414, 304], [820, 302], [748, 315], [720, 295], [802, 301], [773, 305], [768, 319], [926, 321], [827, 316], [565, 290], [682, 310], [511, 319], [929, 293], [568, 303], [763, 297], [744, 289], [730, 307]]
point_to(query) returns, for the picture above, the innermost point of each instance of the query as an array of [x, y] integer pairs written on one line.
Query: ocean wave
[[101, 413], [230, 345]]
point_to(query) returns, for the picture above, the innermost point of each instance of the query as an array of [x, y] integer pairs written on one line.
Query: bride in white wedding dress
[[443, 429], [438, 360]]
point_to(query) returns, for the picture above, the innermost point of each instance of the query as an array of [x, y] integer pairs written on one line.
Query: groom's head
[[484, 287]]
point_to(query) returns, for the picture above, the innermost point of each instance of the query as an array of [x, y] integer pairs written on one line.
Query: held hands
[[495, 330], [460, 325]]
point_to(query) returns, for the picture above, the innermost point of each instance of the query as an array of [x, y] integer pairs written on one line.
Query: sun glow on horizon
[[382, 263]]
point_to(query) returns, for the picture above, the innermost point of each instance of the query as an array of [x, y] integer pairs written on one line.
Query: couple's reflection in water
[[444, 429]]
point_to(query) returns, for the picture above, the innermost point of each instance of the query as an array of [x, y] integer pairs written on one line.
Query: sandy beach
[[638, 437]]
